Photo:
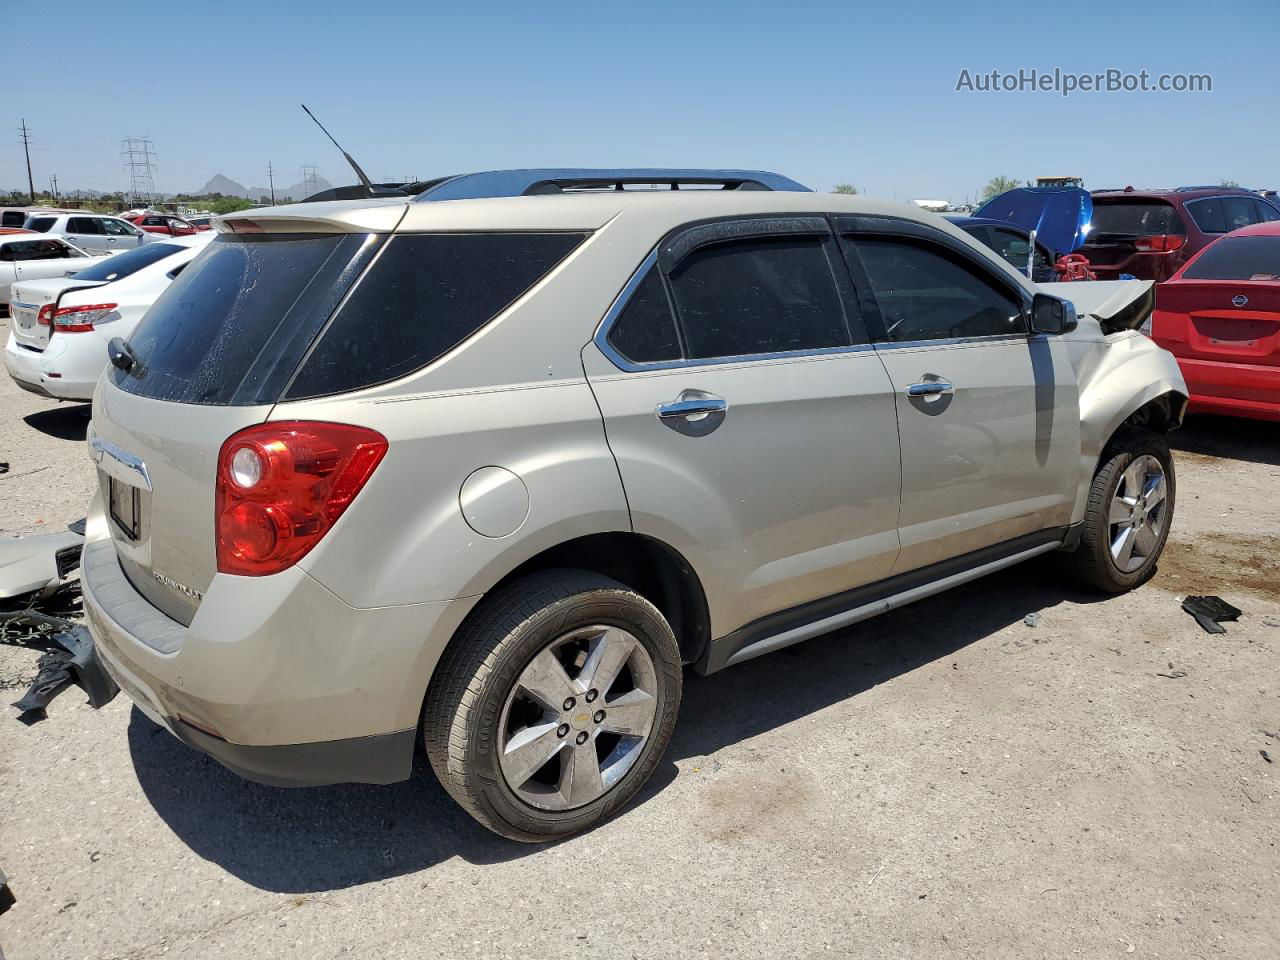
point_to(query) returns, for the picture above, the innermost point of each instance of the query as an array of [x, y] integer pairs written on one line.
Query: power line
[[26, 148]]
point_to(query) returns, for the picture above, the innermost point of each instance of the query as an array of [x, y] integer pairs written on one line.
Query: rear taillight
[[281, 486], [73, 319], [1160, 243]]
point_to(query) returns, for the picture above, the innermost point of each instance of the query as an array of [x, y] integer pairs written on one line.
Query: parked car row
[[59, 328]]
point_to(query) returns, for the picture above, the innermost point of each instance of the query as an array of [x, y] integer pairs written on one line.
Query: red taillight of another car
[[1160, 243], [73, 319], [281, 486]]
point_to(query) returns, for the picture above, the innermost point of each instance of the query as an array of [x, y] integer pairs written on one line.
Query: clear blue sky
[[825, 92]]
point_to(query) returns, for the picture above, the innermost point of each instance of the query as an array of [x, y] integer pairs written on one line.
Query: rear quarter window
[[424, 295], [41, 224]]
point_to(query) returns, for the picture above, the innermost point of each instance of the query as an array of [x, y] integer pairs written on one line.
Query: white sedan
[[60, 328], [29, 256]]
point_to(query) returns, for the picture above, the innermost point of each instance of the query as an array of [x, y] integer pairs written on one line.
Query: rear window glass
[[1238, 258], [645, 331], [203, 334], [126, 264], [758, 296], [1132, 218], [423, 296], [41, 224]]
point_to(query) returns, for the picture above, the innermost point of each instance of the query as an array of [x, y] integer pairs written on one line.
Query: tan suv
[[488, 471]]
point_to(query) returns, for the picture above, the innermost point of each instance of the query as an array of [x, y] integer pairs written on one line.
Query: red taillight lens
[[281, 486], [1160, 243], [73, 319]]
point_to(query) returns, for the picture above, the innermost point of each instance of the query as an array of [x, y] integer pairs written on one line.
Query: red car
[[1150, 234], [1220, 316], [165, 223]]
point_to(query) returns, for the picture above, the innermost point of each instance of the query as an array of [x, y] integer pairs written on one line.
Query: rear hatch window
[[126, 264], [1238, 258], [1116, 220], [246, 299]]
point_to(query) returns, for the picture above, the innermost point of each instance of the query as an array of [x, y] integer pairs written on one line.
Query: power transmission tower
[[139, 156], [310, 182], [26, 148], [271, 182]]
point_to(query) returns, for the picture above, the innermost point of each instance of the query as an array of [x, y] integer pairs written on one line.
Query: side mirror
[[1051, 315]]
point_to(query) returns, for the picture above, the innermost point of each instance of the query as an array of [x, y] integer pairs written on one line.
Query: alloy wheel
[[1137, 515]]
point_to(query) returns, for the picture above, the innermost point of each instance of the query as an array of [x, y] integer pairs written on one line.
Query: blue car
[[1060, 217]]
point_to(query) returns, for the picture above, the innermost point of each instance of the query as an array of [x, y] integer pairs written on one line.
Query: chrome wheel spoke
[[1122, 547], [631, 715], [1121, 511], [528, 751], [580, 780], [544, 678], [1155, 493], [1145, 541], [1133, 477], [609, 654]]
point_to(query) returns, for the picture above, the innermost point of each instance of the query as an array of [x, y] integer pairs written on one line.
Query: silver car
[[89, 231], [486, 465]]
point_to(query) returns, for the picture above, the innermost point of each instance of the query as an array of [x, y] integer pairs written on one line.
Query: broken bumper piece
[[71, 661]]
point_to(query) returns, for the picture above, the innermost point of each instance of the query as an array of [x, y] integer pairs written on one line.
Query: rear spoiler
[[1116, 304]]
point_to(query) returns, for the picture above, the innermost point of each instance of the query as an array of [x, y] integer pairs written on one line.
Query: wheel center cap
[[581, 721]]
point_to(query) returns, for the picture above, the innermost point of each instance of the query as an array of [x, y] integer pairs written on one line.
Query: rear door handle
[[930, 388], [688, 406]]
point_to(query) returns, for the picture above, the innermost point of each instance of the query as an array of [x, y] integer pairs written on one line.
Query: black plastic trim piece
[[386, 758], [721, 650]]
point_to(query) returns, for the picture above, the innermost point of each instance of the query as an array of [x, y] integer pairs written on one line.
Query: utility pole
[[271, 182], [53, 179], [26, 147]]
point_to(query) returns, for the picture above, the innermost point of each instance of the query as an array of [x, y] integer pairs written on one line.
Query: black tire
[[469, 689], [1091, 562]]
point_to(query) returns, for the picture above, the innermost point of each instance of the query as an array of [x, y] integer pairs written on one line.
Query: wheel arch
[[652, 568]]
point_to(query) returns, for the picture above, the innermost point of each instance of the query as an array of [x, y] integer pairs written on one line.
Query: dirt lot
[[945, 781]]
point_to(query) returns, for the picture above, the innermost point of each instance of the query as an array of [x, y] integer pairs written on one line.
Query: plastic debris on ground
[[1211, 612]]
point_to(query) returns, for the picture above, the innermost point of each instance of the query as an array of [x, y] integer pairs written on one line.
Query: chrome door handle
[[930, 388], [693, 407]]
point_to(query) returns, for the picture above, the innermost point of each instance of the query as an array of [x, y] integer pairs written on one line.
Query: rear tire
[[536, 751], [1128, 515]]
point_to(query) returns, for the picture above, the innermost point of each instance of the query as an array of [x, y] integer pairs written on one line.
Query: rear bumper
[[1233, 389], [48, 373], [276, 678]]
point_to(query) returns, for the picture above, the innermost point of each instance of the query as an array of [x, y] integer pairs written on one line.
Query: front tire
[[1129, 512], [553, 704]]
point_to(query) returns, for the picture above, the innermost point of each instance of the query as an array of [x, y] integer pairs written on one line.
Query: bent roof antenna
[[350, 159]]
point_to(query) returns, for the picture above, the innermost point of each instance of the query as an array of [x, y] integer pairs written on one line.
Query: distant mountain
[[231, 188]]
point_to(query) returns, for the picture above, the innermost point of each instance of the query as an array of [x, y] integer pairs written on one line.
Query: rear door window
[[38, 250], [645, 331], [84, 225], [926, 293], [424, 295], [758, 296], [41, 224], [1238, 258]]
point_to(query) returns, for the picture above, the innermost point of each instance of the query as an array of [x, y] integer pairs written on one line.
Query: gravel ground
[[944, 781]]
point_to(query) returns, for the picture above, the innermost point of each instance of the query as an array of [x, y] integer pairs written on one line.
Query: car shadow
[[1229, 438], [325, 838], [63, 422]]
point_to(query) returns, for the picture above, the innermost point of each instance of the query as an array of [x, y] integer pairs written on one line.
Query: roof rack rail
[[534, 182], [1212, 186]]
